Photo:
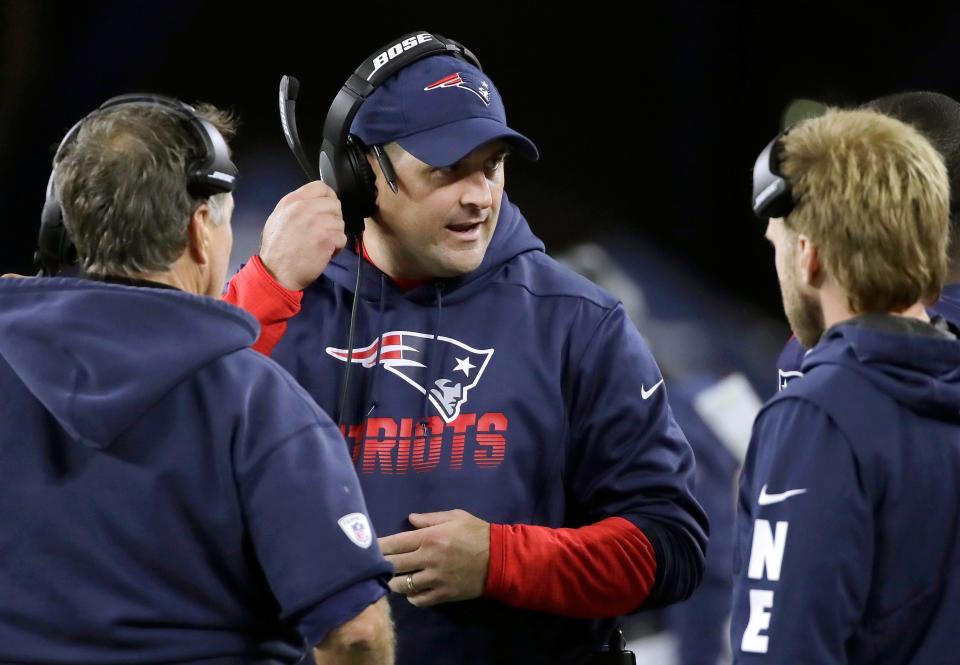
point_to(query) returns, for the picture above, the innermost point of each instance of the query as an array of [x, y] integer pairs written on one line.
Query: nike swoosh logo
[[766, 499], [645, 394]]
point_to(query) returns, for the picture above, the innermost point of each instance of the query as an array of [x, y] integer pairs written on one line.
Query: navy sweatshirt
[[167, 494], [519, 392], [848, 546]]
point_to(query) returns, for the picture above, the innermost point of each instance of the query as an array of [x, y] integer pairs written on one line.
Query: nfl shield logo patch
[[357, 528]]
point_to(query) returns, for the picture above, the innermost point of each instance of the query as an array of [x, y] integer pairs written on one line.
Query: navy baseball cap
[[438, 109]]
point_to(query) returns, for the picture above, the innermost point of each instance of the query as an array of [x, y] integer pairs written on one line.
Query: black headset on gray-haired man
[[212, 173]]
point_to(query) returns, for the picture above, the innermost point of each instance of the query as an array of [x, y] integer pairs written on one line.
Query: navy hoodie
[[167, 494], [848, 538], [519, 392], [791, 357]]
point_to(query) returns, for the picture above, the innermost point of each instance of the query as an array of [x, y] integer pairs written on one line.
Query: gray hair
[[122, 186]]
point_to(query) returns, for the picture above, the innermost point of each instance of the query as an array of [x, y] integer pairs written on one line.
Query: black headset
[[772, 196], [213, 173], [343, 163]]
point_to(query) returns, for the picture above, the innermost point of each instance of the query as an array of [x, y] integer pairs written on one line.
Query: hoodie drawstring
[[351, 330], [424, 422], [376, 364]]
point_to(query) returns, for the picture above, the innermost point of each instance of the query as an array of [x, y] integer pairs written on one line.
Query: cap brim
[[447, 144]]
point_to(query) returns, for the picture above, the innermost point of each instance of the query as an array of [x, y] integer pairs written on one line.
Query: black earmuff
[[213, 173], [772, 196]]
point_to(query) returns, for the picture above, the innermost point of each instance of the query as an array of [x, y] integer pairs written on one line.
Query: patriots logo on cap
[[456, 80], [406, 354]]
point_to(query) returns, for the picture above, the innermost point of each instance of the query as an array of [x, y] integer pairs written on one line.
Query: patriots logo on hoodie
[[409, 354]]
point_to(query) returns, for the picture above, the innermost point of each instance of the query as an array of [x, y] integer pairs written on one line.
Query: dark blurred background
[[648, 120]]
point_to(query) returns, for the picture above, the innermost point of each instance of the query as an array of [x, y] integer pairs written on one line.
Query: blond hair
[[874, 197]]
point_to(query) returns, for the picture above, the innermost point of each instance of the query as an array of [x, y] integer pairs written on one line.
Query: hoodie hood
[[511, 237], [916, 363], [99, 355]]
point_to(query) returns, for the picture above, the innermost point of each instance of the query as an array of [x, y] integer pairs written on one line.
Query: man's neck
[[836, 310], [376, 253], [131, 281], [182, 275], [168, 278]]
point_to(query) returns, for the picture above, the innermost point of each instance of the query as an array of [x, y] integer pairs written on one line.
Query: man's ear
[[808, 257], [198, 235]]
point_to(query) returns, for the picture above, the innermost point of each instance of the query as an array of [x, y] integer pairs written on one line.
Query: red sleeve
[[255, 290], [600, 570]]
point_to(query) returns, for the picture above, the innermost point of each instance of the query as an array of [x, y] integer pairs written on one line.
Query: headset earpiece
[[213, 173], [54, 248], [772, 196], [365, 178]]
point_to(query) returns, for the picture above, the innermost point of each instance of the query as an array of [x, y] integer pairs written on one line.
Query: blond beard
[[804, 314]]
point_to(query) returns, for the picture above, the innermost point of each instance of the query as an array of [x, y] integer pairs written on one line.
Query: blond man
[[847, 539]]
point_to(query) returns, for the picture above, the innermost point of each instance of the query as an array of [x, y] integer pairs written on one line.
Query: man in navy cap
[[509, 425]]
